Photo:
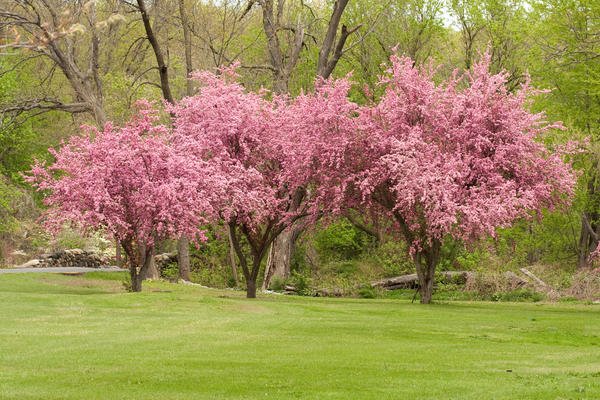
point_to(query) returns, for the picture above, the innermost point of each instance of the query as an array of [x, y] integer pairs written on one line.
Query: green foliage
[[392, 257], [277, 284], [553, 239], [209, 261], [170, 271], [302, 283], [367, 292], [126, 283], [339, 241]]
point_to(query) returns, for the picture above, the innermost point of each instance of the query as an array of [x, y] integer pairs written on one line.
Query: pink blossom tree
[[457, 159], [236, 131], [129, 182]]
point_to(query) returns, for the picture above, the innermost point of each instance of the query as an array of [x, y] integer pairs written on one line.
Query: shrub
[[339, 241], [392, 257], [302, 283], [277, 284], [367, 292], [170, 271]]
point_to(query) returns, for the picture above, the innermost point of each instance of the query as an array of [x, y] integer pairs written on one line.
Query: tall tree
[[565, 60], [68, 35]]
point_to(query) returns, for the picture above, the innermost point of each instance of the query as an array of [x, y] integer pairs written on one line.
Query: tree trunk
[[187, 46], [251, 288], [583, 248], [280, 255], [163, 70], [118, 258], [140, 260], [588, 239], [426, 261], [150, 270], [136, 279], [590, 221], [232, 262], [183, 258]]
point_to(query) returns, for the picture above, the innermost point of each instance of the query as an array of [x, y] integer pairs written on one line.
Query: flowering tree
[[127, 181], [234, 131], [457, 159]]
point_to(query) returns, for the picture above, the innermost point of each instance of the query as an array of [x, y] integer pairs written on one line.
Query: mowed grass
[[67, 337]]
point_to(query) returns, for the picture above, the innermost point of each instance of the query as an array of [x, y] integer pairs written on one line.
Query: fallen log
[[409, 281], [537, 281]]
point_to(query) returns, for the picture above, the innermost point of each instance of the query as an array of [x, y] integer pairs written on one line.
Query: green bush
[[170, 271], [277, 284], [367, 292], [392, 257], [339, 241], [302, 283]]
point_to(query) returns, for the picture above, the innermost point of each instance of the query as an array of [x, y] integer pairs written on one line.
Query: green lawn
[[84, 338]]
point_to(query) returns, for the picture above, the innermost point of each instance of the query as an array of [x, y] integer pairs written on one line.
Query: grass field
[[84, 338]]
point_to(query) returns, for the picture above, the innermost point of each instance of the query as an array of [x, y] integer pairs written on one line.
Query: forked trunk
[[140, 258]]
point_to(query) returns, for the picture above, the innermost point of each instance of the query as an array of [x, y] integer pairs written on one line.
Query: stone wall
[[69, 258]]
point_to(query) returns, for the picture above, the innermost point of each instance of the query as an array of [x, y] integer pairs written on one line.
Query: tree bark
[[251, 288], [187, 45], [232, 263], [279, 261], [183, 258], [136, 280], [590, 222], [150, 270], [163, 69], [118, 258], [331, 51], [140, 259], [426, 261]]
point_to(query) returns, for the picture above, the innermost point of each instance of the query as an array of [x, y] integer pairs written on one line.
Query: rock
[[30, 264], [161, 261]]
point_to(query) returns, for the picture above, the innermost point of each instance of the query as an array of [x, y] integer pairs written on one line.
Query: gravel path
[[58, 270]]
